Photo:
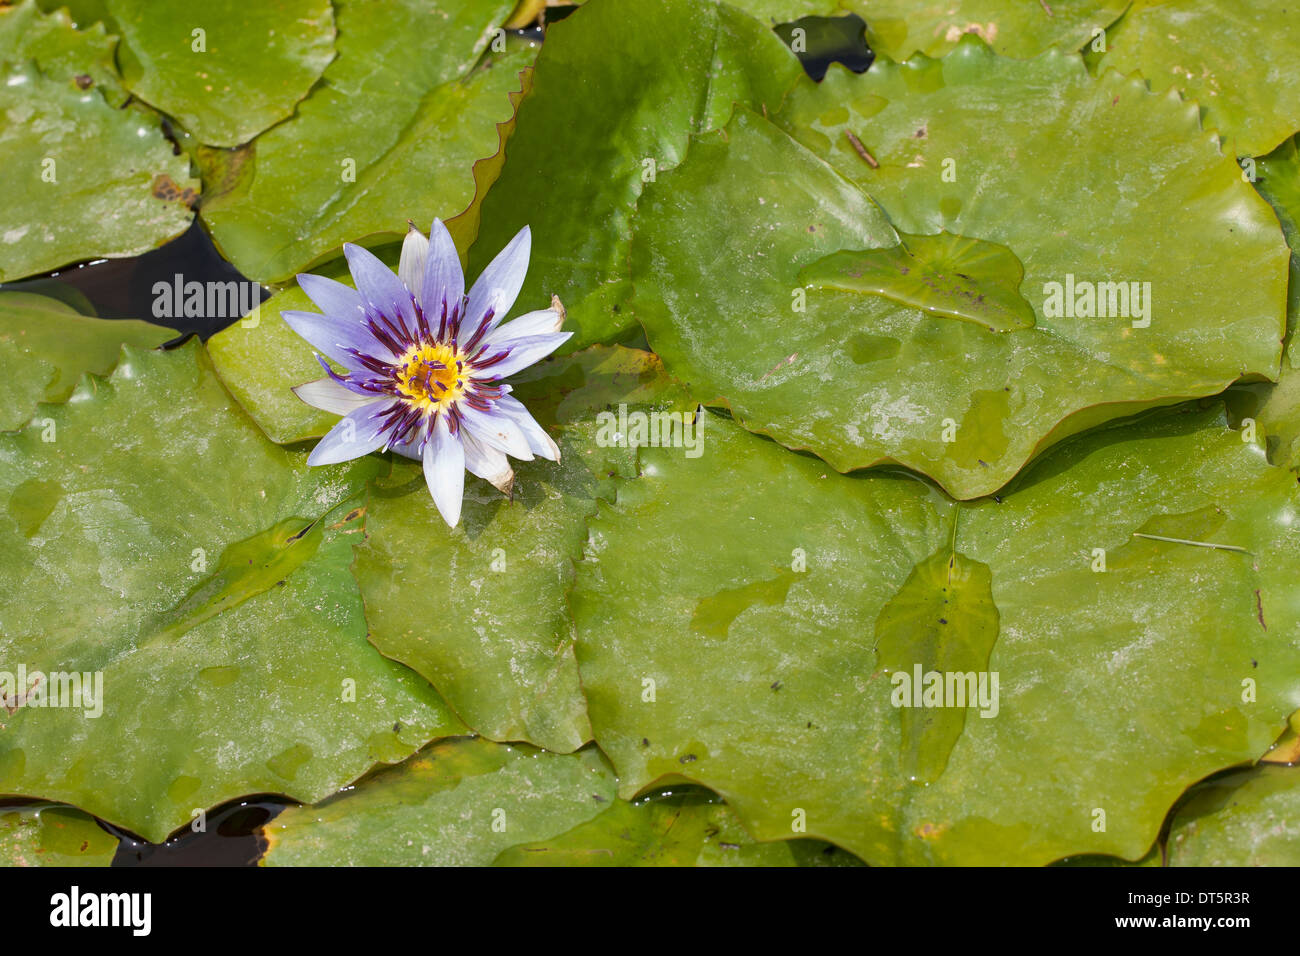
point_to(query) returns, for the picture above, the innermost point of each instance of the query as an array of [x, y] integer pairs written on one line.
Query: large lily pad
[[45, 348], [1248, 818], [84, 180], [1187, 637], [480, 609], [1199, 47], [685, 826], [225, 70], [1022, 29], [861, 379], [152, 535], [619, 87], [458, 803], [48, 834], [390, 134]]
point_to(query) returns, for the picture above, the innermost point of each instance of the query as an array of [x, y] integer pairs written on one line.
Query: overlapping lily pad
[[619, 87], [460, 802], [83, 179], [1143, 582], [225, 70], [260, 359], [220, 615], [82, 58], [1202, 47], [860, 380], [45, 348], [1277, 406], [899, 28], [770, 11], [686, 826], [480, 609], [48, 834], [1277, 177], [1249, 818], [390, 134]]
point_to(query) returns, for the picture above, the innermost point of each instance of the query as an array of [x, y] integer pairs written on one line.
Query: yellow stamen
[[430, 376]]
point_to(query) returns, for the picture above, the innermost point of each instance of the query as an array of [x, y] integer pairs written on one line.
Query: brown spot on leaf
[[166, 189]]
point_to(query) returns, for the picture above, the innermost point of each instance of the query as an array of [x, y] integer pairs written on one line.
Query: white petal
[[525, 352], [498, 286], [444, 471], [541, 443], [415, 252], [544, 322], [497, 430], [487, 463], [329, 396]]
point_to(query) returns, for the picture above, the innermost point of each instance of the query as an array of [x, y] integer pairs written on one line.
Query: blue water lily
[[424, 362]]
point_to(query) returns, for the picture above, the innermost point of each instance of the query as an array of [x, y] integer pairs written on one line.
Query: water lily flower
[[424, 362]]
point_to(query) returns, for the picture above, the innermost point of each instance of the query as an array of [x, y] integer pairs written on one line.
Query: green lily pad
[[220, 613], [861, 380], [458, 803], [225, 70], [1022, 29], [480, 609], [965, 279], [619, 87], [86, 180], [1199, 48], [82, 58], [390, 134], [260, 359], [687, 826], [789, 716], [49, 834], [1248, 818], [45, 348]]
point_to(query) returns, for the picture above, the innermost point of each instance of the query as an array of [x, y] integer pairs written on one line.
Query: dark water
[[231, 838], [124, 288]]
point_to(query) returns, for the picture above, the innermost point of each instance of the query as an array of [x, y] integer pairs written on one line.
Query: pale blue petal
[[333, 298], [498, 286], [357, 433], [382, 290], [332, 336], [443, 279]]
